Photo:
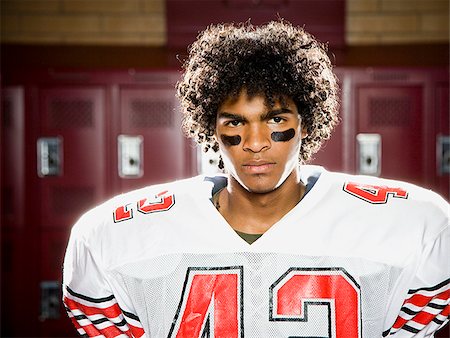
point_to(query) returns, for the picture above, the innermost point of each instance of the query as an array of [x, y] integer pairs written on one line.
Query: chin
[[259, 185]]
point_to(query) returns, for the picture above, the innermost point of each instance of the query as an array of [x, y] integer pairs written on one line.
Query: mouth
[[258, 167]]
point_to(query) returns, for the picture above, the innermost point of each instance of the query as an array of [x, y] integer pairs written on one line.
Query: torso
[[331, 238]]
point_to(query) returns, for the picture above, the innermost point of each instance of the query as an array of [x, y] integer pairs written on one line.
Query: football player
[[273, 247]]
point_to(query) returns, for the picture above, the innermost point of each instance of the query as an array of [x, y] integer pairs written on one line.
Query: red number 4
[[375, 194], [161, 202]]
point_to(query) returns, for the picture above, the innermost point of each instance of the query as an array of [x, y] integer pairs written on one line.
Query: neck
[[255, 213]]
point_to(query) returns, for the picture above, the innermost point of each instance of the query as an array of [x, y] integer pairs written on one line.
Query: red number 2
[[334, 288], [375, 194], [212, 301]]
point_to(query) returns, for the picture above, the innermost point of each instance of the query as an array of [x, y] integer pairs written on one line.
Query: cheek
[[230, 141], [283, 136]]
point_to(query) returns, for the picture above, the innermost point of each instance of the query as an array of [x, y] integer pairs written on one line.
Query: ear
[[304, 133]]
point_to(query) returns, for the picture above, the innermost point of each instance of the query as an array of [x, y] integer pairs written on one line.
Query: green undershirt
[[249, 238]]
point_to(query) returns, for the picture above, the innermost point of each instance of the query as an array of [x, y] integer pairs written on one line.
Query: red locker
[[396, 114], [406, 109], [150, 114], [18, 290], [74, 117], [13, 157]]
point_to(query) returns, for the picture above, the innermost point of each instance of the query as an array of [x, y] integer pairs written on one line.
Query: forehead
[[255, 103]]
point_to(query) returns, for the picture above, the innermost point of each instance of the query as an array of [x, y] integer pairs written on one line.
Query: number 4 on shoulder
[[375, 194]]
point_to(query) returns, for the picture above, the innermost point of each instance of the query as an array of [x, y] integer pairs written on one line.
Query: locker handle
[[443, 154], [130, 156], [50, 156], [369, 154], [50, 300]]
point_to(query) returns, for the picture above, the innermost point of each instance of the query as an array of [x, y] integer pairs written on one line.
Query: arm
[[425, 306], [89, 299]]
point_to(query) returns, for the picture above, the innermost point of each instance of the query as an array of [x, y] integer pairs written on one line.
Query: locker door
[[395, 113], [154, 149], [71, 178], [73, 118], [13, 157], [17, 280]]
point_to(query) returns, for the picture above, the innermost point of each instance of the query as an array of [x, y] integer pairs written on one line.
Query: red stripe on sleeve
[[112, 311], [137, 331], [75, 323], [421, 300], [422, 317], [113, 331], [108, 332], [93, 331], [399, 322]]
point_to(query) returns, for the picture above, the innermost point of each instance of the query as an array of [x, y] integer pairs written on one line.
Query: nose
[[256, 139]]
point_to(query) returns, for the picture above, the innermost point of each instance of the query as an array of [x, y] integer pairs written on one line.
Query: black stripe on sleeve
[[410, 329], [101, 320], [410, 312], [89, 299], [431, 288], [97, 321], [131, 315], [437, 306], [101, 300], [438, 321]]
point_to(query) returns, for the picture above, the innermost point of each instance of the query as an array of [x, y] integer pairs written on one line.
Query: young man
[[273, 248]]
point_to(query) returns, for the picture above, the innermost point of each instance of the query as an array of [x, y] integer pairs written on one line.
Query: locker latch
[[369, 154], [50, 300], [49, 156], [443, 154], [130, 152]]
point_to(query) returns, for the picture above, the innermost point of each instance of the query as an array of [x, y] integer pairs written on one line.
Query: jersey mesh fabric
[[161, 287]]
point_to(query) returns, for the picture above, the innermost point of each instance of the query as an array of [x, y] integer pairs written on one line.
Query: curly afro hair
[[275, 60]]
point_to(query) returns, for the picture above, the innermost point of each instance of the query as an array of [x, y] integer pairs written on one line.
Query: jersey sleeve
[[89, 300], [424, 303]]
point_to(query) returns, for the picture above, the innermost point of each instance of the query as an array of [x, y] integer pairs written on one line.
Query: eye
[[233, 123], [277, 120]]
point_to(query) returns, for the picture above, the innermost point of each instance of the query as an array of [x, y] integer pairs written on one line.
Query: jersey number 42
[[212, 303]]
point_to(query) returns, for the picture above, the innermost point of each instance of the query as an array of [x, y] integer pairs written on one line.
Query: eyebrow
[[275, 112], [268, 115], [231, 116]]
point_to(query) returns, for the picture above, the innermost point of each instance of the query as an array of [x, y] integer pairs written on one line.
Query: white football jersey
[[357, 257]]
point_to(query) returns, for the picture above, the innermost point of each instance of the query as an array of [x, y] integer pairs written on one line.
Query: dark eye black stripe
[[230, 140], [283, 136]]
